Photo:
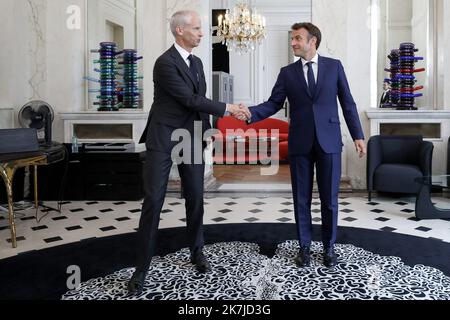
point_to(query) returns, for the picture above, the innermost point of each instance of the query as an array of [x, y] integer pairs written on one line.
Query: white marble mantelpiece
[[439, 117], [104, 115], [137, 119], [408, 114]]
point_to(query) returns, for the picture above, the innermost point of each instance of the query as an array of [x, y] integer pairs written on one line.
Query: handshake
[[240, 111]]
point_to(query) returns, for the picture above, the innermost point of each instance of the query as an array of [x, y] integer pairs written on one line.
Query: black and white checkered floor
[[84, 220]]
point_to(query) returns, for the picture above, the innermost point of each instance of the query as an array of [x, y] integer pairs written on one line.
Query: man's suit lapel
[[201, 78], [182, 65], [320, 76], [301, 74]]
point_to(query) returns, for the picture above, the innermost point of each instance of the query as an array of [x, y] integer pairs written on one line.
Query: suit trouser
[[156, 175], [328, 174]]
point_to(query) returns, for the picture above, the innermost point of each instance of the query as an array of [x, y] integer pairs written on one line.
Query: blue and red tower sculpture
[[119, 80], [402, 88]]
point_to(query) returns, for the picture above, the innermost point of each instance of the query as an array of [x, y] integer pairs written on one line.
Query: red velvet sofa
[[243, 143]]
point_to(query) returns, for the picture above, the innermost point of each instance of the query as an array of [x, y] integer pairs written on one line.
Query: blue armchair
[[393, 162]]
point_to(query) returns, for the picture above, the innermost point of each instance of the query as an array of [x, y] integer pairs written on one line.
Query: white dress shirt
[[315, 67], [184, 54]]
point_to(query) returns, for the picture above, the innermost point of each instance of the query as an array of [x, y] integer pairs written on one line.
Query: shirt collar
[[183, 52], [314, 60]]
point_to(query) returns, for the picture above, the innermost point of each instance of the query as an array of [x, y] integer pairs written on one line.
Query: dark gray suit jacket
[[179, 100]]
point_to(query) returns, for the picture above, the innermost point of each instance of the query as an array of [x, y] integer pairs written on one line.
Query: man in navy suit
[[179, 103], [312, 86]]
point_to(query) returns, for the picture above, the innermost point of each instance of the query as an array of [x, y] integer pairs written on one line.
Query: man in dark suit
[[179, 103], [312, 85]]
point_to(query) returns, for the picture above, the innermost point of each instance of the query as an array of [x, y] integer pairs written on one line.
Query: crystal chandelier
[[242, 29]]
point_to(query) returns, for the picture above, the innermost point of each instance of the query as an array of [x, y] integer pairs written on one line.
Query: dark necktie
[[311, 79], [193, 68]]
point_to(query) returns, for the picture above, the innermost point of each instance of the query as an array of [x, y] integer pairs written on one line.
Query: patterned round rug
[[241, 272]]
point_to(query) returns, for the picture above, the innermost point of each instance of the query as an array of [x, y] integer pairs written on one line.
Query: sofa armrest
[[426, 157], [374, 159]]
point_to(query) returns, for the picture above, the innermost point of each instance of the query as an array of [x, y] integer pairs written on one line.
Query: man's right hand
[[240, 112]]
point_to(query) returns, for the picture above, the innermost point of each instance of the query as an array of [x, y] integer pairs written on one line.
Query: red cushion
[[231, 128], [230, 123], [271, 123]]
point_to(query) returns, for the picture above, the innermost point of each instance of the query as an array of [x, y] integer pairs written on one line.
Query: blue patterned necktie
[[193, 68], [311, 79]]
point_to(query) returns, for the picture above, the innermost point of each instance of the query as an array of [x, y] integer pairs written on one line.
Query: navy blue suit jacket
[[318, 113]]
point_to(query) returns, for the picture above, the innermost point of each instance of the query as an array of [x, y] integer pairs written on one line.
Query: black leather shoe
[[201, 263], [329, 258], [136, 284], [303, 258]]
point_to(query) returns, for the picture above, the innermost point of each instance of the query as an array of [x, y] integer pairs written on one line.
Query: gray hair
[[181, 18]]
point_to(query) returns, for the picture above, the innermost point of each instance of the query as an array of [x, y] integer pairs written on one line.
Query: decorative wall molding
[[250, 71], [127, 6], [120, 12]]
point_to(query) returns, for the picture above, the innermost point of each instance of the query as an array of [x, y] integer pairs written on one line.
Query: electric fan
[[38, 115]]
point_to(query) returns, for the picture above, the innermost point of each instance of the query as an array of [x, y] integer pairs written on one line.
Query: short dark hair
[[312, 30]]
